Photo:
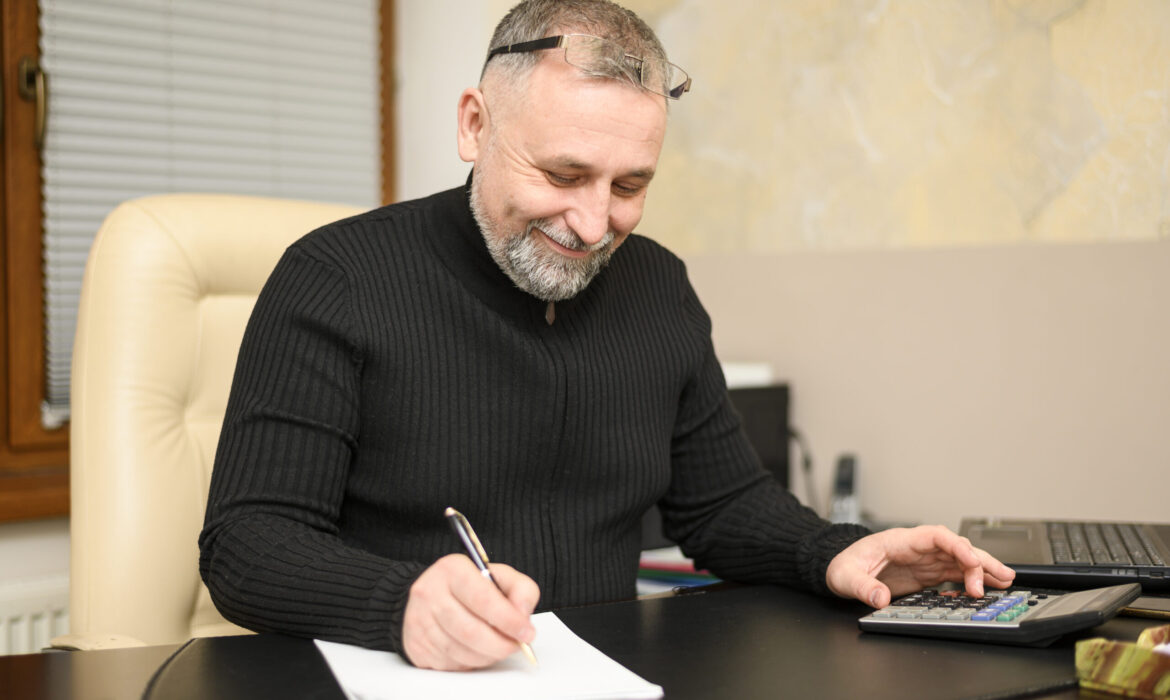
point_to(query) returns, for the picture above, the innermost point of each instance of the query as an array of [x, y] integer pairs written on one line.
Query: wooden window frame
[[34, 462]]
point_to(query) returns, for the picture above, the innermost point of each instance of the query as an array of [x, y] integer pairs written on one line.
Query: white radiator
[[32, 612]]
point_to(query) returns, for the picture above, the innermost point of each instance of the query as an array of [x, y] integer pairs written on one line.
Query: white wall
[[439, 51], [34, 550]]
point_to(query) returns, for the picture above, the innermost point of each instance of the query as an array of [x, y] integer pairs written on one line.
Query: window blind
[[265, 97]]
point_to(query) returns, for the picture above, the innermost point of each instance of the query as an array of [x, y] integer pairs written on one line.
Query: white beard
[[532, 265]]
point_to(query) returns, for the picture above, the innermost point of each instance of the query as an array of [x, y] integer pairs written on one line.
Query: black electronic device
[[1021, 616], [1076, 553], [763, 413]]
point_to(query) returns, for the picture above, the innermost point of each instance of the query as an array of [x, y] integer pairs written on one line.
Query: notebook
[[1076, 553]]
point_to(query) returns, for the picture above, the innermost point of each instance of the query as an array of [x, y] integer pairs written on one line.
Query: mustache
[[567, 237]]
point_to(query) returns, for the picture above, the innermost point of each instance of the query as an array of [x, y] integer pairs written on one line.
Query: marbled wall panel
[[874, 124]]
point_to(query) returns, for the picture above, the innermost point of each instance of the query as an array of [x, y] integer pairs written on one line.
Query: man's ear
[[473, 124]]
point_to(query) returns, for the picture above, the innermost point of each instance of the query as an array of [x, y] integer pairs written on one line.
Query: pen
[[475, 550]]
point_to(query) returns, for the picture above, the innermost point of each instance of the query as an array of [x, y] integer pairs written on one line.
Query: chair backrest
[[168, 288]]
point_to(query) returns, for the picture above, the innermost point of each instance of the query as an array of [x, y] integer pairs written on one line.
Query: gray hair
[[536, 19]]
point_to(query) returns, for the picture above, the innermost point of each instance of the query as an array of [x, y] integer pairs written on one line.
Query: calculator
[[1023, 616]]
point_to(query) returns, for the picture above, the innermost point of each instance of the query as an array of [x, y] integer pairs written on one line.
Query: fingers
[[457, 619], [521, 590], [853, 572], [434, 646], [966, 559], [900, 561], [978, 567], [495, 606], [973, 581], [995, 572]]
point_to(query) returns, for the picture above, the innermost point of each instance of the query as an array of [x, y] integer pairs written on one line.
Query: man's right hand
[[457, 620]]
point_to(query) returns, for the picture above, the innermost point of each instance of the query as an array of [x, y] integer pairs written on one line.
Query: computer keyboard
[[1021, 616], [1101, 543]]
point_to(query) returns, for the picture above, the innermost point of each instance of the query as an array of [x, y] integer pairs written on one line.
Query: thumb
[[874, 592]]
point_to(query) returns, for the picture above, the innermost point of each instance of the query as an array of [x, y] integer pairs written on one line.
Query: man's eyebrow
[[569, 163]]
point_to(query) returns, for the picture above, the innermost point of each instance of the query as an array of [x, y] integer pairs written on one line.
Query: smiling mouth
[[563, 250]]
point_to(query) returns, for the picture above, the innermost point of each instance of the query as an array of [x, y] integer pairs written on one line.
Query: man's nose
[[590, 214]]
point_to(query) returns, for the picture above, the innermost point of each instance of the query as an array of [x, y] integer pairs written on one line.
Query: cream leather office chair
[[168, 289]]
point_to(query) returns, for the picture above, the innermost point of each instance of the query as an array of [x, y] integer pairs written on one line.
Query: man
[[488, 348]]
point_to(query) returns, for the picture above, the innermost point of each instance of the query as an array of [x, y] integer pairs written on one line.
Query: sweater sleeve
[[724, 509], [270, 550]]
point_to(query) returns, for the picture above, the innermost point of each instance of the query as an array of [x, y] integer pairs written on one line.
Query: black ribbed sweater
[[390, 369]]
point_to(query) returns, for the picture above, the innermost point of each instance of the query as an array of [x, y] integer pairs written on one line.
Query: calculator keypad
[[1016, 616], [933, 605]]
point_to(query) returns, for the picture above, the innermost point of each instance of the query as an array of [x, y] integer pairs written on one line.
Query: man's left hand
[[900, 561]]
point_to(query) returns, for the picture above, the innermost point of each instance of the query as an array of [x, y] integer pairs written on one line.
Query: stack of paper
[[570, 669]]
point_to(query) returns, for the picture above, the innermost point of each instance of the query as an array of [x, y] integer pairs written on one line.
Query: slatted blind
[[265, 97]]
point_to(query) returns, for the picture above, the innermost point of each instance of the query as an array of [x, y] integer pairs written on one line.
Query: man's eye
[[560, 179], [626, 190]]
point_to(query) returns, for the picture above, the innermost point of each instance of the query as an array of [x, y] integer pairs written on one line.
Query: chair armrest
[[90, 642]]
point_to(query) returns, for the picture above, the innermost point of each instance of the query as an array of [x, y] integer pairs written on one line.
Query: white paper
[[569, 669]]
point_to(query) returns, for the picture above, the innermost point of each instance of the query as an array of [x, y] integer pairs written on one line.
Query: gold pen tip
[[449, 512], [529, 653]]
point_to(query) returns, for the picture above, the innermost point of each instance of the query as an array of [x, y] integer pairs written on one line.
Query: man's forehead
[[557, 91], [589, 142], [562, 118]]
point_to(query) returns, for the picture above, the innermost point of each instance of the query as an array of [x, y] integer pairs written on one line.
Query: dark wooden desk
[[756, 642], [223, 668], [82, 675], [733, 642]]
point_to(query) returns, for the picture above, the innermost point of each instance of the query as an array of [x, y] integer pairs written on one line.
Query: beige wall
[[945, 222], [1030, 379]]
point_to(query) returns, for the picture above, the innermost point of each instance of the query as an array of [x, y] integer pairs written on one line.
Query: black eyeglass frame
[[553, 42]]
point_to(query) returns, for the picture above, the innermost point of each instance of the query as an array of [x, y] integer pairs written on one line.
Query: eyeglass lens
[[589, 53]]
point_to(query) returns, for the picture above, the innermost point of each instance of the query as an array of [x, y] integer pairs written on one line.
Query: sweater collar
[[458, 242]]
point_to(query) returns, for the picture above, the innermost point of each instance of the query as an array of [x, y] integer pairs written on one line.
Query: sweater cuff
[[819, 548], [389, 602]]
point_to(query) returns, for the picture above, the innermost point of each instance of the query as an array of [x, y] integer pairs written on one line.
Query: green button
[[1006, 616]]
